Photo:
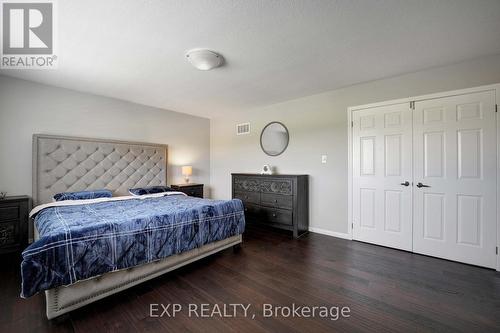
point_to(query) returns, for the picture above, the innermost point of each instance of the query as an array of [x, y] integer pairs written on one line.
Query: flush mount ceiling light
[[203, 59]]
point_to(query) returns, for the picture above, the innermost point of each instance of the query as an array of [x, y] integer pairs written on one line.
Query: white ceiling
[[274, 50]]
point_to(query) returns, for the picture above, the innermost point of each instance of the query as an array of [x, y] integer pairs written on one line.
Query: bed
[[85, 250]]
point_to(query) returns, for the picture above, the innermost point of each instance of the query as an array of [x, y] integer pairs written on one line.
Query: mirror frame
[[287, 141]]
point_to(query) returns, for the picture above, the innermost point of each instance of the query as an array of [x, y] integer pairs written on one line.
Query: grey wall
[[318, 125], [27, 108]]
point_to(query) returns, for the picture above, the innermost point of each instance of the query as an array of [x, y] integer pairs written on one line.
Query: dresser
[[193, 190], [281, 201], [14, 223]]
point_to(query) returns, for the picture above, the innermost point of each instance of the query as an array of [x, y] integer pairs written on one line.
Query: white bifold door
[[424, 177]]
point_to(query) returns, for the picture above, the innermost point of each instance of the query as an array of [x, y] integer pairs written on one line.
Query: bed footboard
[[61, 300]]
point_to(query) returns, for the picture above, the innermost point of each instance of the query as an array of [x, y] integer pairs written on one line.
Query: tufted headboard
[[62, 164]]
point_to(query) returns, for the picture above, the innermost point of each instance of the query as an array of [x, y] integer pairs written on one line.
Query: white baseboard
[[331, 233]]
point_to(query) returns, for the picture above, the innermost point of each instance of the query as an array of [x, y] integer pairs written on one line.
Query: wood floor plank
[[386, 289]]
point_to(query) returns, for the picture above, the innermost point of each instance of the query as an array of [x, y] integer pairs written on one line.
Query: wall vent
[[243, 129]]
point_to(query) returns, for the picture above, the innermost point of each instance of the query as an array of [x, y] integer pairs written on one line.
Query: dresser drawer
[[252, 212], [9, 213], [9, 233], [245, 184], [277, 200], [279, 216], [248, 197], [277, 186]]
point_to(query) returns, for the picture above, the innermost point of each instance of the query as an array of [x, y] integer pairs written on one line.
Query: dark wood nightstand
[[14, 223], [193, 190]]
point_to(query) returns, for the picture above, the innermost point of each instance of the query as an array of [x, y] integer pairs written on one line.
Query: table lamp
[[187, 171]]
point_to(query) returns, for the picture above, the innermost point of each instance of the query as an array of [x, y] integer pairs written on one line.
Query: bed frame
[[62, 164]]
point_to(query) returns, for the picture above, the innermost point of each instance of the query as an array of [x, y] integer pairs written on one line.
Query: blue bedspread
[[83, 241]]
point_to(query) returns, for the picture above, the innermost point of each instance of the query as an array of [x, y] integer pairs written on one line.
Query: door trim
[[351, 109]]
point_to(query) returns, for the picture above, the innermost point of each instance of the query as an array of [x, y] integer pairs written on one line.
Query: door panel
[[434, 162], [393, 155], [469, 219], [393, 210], [454, 152], [367, 207], [382, 139], [368, 156], [434, 216], [469, 153]]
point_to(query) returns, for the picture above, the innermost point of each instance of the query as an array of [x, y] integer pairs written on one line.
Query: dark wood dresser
[[193, 190], [280, 201], [14, 223]]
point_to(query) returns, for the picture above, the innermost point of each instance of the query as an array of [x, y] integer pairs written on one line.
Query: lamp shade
[[187, 170]]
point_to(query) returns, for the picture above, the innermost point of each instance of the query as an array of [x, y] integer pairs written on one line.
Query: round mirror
[[274, 138]]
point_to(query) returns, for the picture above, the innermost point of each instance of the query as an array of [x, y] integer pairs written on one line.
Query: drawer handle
[[274, 215]]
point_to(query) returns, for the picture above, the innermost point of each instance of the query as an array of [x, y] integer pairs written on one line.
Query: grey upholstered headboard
[[62, 164]]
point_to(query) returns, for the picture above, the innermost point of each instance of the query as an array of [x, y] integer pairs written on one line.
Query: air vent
[[242, 129]]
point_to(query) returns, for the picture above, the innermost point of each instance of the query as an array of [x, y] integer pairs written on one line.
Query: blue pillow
[[149, 190], [83, 195]]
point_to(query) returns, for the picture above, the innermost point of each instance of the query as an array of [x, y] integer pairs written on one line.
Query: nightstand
[[193, 190], [14, 223]]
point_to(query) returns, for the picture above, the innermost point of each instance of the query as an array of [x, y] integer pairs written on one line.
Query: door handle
[[406, 183], [419, 185]]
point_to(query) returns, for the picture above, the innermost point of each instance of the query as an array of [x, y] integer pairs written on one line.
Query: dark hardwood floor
[[386, 290]]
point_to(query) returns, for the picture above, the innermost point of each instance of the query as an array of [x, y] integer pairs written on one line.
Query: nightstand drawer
[[9, 213], [193, 192], [9, 235], [14, 223]]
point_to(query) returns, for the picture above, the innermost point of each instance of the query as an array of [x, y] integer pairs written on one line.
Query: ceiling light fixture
[[203, 59]]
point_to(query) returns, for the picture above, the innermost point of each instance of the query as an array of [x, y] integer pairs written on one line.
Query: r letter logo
[[28, 35]]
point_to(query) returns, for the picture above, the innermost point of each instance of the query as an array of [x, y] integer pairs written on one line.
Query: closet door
[[382, 192], [455, 178]]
